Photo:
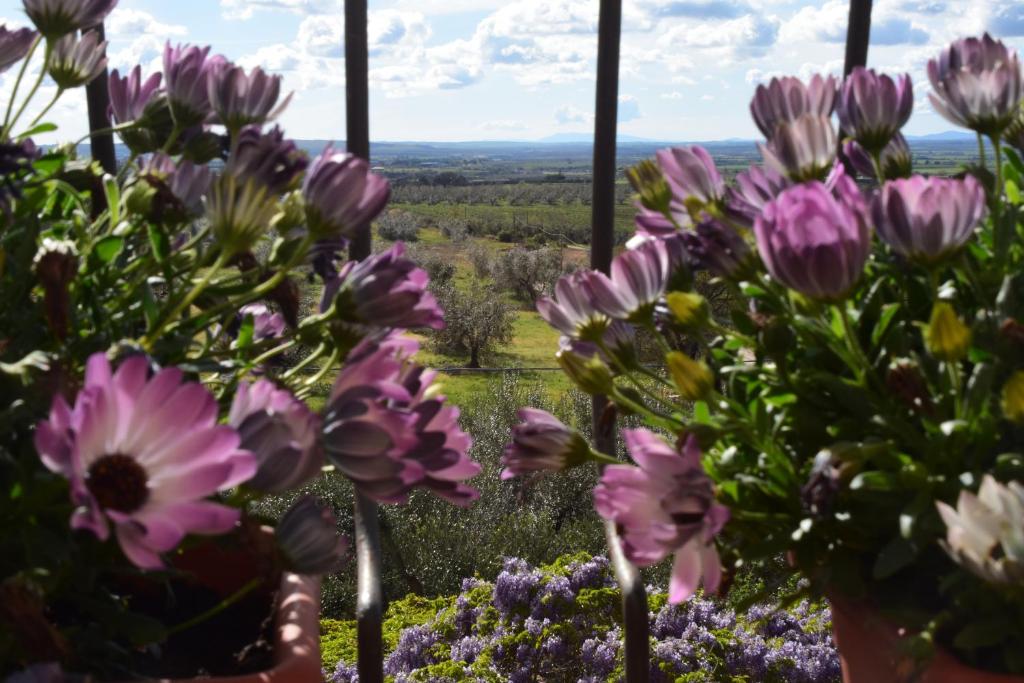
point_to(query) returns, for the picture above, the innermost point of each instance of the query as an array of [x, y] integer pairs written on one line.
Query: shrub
[[476, 320], [398, 226]]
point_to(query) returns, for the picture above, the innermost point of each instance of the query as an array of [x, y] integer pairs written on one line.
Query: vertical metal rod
[[357, 99], [602, 241], [858, 33], [97, 97], [369, 601]]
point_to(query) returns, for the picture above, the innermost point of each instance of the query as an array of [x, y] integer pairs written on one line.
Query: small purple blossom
[[386, 289], [130, 95], [896, 160], [977, 83], [342, 195], [56, 18], [692, 175], [268, 159], [873, 107], [76, 61], [815, 241], [754, 188], [187, 72], [239, 99], [719, 249], [786, 99], [541, 442], [802, 149], [188, 183], [307, 535], [14, 45], [638, 280], [927, 218]]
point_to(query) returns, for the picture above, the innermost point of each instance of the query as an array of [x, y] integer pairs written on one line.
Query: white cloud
[[137, 37], [501, 125], [732, 39], [244, 9], [569, 114], [674, 95], [629, 108]]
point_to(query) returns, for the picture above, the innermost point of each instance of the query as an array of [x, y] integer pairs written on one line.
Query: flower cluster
[[163, 329], [862, 375], [558, 623]]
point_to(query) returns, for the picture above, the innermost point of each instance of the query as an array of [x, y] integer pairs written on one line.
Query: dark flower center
[[118, 482]]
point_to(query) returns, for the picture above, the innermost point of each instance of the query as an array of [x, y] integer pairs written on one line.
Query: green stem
[[999, 174], [876, 162], [317, 352], [953, 370], [218, 608], [981, 151], [103, 131], [172, 138], [31, 93], [624, 371], [853, 343], [53, 101], [601, 458], [331, 360], [264, 357], [17, 85], [197, 289]]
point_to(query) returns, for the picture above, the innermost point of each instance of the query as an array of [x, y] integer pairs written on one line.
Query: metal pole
[[97, 99], [602, 240], [357, 100], [858, 33], [369, 601]]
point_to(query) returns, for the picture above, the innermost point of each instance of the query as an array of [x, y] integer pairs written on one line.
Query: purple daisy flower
[[141, 454]]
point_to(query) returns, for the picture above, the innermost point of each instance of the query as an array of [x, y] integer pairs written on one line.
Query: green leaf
[[979, 387], [888, 311], [701, 413], [113, 195], [1012, 192], [897, 554], [149, 306], [159, 243], [38, 130], [982, 633], [875, 481], [245, 333], [108, 248]]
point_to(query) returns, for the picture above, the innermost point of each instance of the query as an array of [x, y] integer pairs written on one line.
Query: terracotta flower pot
[[869, 651], [296, 643]]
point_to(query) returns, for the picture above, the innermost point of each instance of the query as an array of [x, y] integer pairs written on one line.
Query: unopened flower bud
[[1013, 397], [905, 382], [693, 378], [946, 336], [647, 179], [689, 309], [308, 538], [590, 374], [55, 264]]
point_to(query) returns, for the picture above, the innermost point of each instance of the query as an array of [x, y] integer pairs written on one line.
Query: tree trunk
[[474, 357]]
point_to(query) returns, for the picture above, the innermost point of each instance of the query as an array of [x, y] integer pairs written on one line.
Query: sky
[[446, 70]]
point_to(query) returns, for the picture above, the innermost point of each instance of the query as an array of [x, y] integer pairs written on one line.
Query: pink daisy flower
[[141, 454]]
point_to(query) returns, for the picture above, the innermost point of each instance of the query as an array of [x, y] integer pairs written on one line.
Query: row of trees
[[499, 194]]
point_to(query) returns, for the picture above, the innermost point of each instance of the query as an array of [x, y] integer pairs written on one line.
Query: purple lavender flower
[[14, 45], [386, 290], [56, 18], [802, 149], [719, 249], [692, 175], [414, 651], [977, 83], [873, 107], [754, 188], [786, 99], [344, 673], [541, 442], [814, 241], [76, 61], [664, 506], [896, 160], [928, 218], [240, 99], [266, 158], [515, 587], [342, 195], [188, 70], [308, 537]]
